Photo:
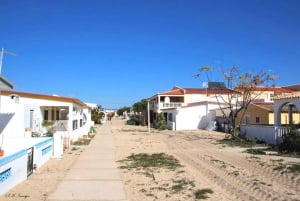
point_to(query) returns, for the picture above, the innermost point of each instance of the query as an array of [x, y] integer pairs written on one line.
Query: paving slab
[[95, 175]]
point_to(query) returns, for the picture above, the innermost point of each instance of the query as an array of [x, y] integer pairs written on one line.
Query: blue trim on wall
[[5, 175], [40, 144], [46, 150], [7, 159]]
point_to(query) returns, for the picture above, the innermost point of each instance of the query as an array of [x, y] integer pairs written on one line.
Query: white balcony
[[171, 105]]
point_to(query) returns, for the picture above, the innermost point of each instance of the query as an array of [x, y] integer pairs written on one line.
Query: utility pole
[[1, 56], [148, 114]]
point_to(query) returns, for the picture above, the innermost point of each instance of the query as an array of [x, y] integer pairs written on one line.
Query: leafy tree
[[121, 111], [97, 114], [240, 91], [141, 108], [161, 123]]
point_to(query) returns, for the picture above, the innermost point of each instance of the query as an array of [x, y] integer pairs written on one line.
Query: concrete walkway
[[95, 175]]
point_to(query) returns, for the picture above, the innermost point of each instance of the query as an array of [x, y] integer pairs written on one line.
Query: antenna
[[2, 54]]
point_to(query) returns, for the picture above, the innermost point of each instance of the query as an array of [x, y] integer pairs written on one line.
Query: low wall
[[13, 170], [263, 133], [14, 164], [42, 152]]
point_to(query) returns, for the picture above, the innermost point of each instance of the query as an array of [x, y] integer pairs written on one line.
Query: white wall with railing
[[269, 134]]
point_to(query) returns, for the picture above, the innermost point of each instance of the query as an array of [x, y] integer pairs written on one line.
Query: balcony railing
[[61, 125], [56, 125], [170, 105]]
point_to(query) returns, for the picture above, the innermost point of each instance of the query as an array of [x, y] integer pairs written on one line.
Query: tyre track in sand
[[231, 172]]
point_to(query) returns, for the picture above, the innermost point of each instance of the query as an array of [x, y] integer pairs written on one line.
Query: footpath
[[95, 175]]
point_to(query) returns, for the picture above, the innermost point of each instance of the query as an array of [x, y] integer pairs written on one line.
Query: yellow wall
[[252, 112], [285, 118]]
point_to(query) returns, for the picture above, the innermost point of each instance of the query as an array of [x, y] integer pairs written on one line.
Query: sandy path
[[240, 176], [231, 174]]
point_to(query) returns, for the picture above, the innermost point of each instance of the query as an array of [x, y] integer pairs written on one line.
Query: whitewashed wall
[[192, 118], [13, 170], [13, 166], [264, 133], [43, 151]]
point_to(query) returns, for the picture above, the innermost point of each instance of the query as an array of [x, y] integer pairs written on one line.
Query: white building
[[188, 108], [194, 116], [40, 114], [55, 122]]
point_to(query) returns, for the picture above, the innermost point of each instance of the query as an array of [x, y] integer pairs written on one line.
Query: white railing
[[172, 105], [268, 134], [279, 132], [56, 125]]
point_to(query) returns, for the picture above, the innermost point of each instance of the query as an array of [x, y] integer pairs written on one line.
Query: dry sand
[[226, 173], [42, 182], [229, 173]]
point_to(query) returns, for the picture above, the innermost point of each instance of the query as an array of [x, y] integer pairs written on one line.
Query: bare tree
[[240, 91]]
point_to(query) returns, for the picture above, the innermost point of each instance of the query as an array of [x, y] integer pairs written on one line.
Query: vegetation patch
[[288, 168], [151, 164], [255, 151], [143, 160], [82, 141], [294, 168], [239, 142], [291, 141], [202, 193], [181, 184]]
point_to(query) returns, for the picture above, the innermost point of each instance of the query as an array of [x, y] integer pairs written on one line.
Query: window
[[257, 120], [57, 114], [84, 119], [81, 124], [246, 119], [271, 96], [75, 124], [46, 115]]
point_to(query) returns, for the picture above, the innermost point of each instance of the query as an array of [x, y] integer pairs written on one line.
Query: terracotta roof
[[274, 89], [287, 96], [295, 87], [172, 92], [195, 90], [46, 97]]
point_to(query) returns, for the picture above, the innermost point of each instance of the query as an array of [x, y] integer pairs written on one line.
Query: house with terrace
[[199, 108], [42, 115], [34, 128], [188, 108]]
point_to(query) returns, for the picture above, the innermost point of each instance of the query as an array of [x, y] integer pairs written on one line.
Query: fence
[[262, 133]]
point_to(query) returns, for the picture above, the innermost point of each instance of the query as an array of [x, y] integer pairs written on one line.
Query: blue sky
[[117, 52]]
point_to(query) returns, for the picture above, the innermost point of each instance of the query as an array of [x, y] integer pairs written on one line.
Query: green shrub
[[161, 123], [291, 141], [134, 120]]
